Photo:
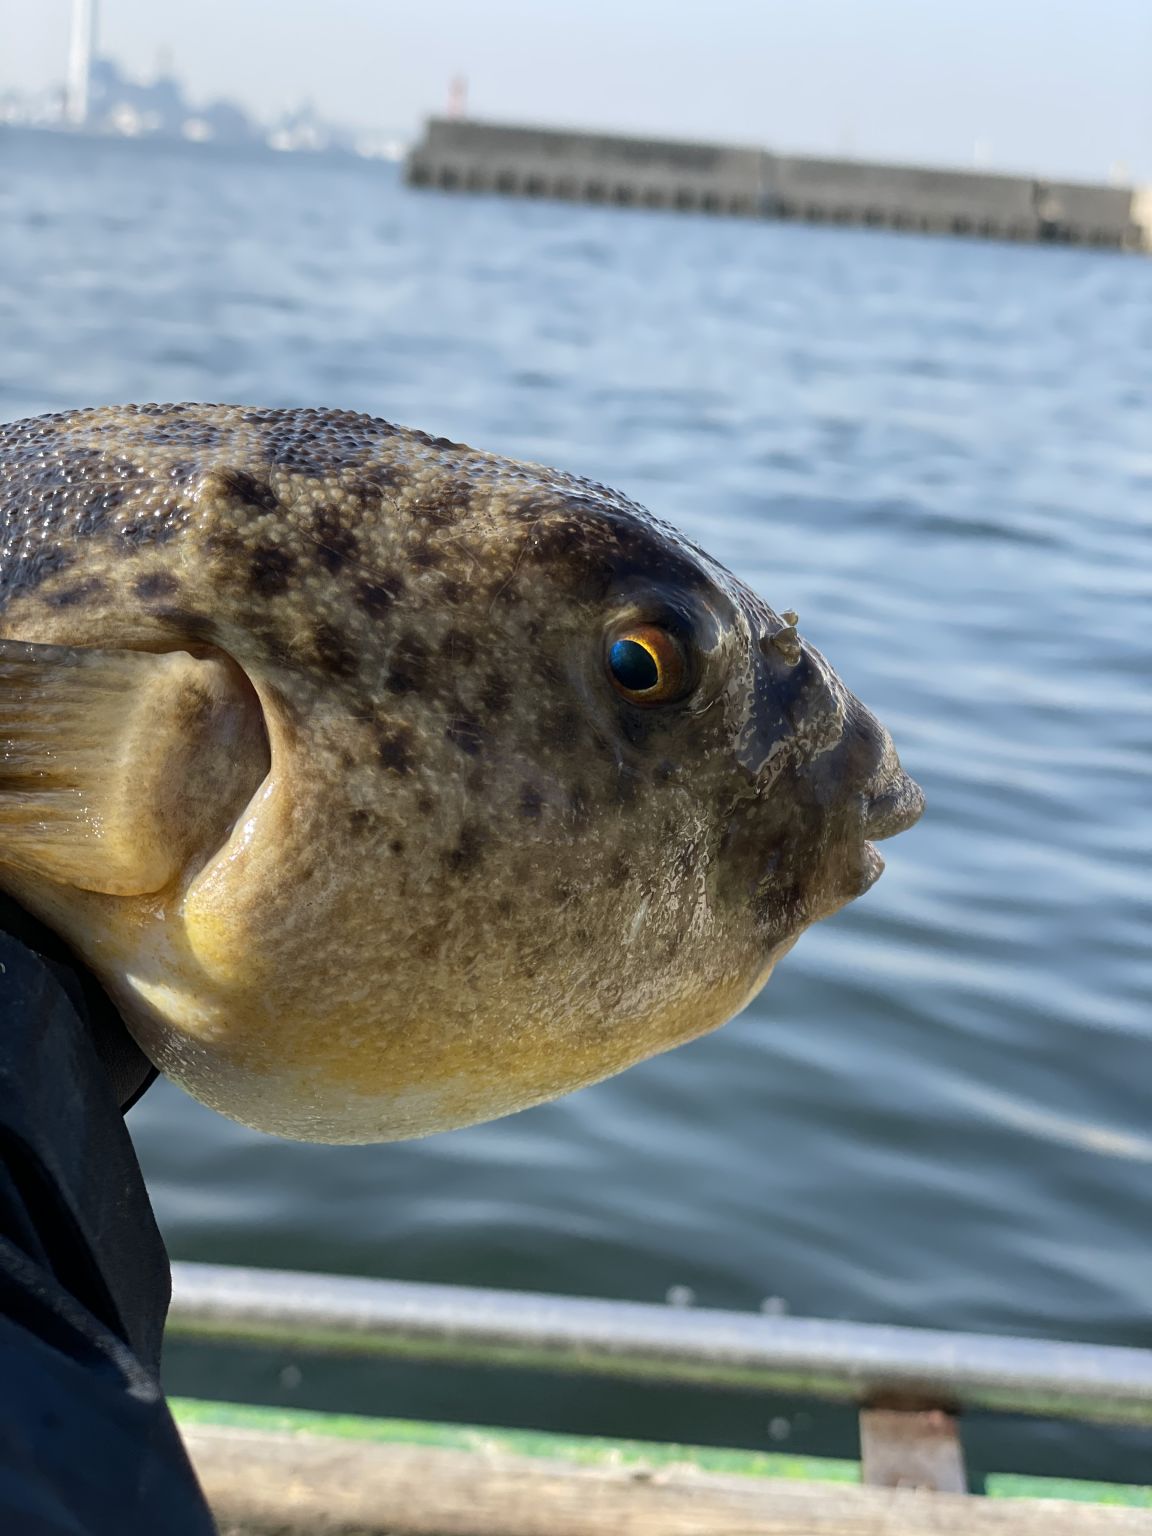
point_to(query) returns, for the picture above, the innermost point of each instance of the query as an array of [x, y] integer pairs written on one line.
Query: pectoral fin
[[118, 767]]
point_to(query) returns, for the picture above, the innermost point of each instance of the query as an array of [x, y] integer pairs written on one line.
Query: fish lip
[[893, 808], [872, 867]]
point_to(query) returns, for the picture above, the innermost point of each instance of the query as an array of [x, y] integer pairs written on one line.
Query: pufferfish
[[389, 786]]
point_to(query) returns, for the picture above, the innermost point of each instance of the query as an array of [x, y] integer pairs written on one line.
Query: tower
[[80, 50]]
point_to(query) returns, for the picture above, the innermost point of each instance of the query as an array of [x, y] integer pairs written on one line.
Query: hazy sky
[[1044, 85]]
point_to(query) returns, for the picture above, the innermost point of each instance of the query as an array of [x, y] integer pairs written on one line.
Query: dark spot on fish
[[425, 805], [496, 694], [239, 485], [336, 543], [409, 671], [225, 540], [443, 508], [425, 558], [396, 846], [394, 747], [468, 850], [531, 802], [277, 644], [505, 906], [369, 488], [466, 731], [333, 652], [450, 590], [619, 873], [196, 626], [561, 893], [376, 597], [459, 648], [156, 584], [68, 597], [270, 570]]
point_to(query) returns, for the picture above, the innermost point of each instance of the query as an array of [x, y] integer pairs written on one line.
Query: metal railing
[[867, 1364]]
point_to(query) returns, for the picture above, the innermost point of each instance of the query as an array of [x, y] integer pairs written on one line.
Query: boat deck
[[305, 1474]]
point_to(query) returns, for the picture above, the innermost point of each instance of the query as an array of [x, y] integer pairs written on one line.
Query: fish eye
[[647, 665]]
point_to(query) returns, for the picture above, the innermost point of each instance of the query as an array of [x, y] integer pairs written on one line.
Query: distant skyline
[[1043, 86]]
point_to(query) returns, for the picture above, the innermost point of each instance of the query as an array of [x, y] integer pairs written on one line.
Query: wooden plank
[[262, 1484], [901, 1448], [586, 1450]]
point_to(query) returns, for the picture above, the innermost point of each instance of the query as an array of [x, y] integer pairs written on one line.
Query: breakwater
[[459, 155]]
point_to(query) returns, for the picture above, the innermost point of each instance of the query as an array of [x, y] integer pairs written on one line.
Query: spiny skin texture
[[474, 876]]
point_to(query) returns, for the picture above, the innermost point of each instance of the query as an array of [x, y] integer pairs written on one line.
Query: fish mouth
[[888, 811]]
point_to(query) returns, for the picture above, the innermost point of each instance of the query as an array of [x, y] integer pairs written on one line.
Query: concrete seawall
[[457, 155]]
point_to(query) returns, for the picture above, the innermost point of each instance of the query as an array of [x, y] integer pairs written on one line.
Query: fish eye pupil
[[633, 666]]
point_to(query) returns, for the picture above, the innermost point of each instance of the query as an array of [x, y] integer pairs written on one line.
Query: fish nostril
[[784, 642]]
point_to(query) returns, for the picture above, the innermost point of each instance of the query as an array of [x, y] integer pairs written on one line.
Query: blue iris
[[633, 666]]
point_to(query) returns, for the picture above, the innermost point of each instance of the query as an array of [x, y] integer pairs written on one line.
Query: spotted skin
[[475, 876]]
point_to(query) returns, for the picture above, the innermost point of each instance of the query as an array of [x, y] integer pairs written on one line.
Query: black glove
[[87, 1445]]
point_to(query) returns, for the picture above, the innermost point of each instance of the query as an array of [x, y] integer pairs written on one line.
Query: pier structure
[[461, 155]]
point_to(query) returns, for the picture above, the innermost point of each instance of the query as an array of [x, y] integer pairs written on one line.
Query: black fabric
[[87, 1445], [129, 1070]]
